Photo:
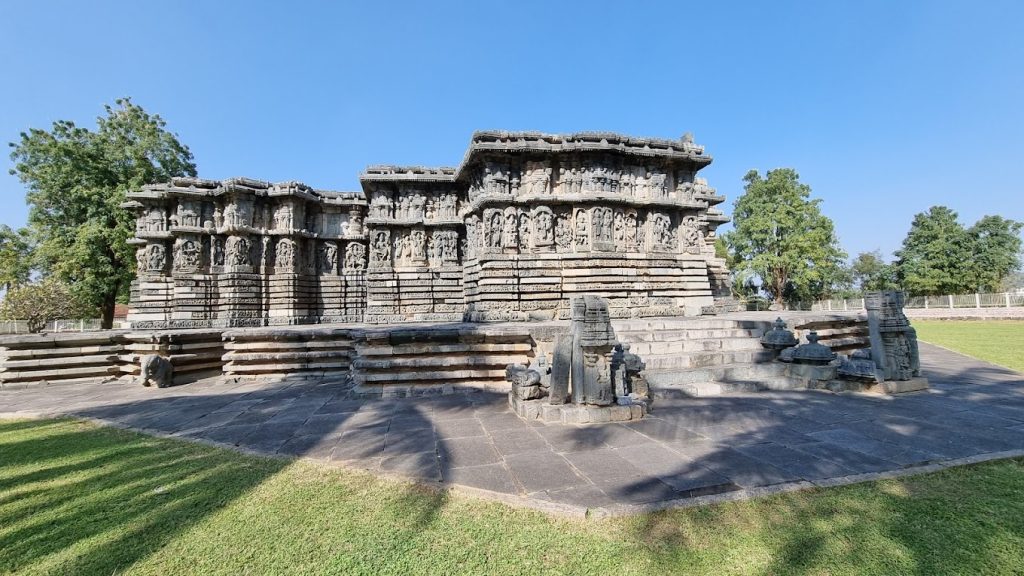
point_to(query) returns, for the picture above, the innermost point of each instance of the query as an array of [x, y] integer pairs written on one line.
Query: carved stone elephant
[[156, 370]]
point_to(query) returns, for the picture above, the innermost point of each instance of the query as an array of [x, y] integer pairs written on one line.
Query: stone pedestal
[[574, 413], [590, 369]]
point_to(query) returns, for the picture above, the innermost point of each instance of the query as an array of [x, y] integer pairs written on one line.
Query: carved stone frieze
[[526, 221]]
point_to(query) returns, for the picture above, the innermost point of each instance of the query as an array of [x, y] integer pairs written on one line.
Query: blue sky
[[885, 108]]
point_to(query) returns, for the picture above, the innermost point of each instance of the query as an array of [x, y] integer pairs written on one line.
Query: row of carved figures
[[414, 206], [288, 216], [598, 228], [192, 254], [416, 247], [538, 178]]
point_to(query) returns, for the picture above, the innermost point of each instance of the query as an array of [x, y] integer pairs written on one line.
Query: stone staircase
[[704, 357], [317, 351], [414, 361]]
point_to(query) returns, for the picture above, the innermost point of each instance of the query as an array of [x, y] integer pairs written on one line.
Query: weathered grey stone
[[156, 370], [527, 222], [812, 352], [560, 369], [600, 375], [778, 338], [893, 340]]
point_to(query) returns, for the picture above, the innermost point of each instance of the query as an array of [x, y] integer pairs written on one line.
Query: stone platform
[[685, 357], [549, 413], [688, 451]]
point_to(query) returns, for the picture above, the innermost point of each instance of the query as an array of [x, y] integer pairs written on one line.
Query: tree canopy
[[42, 302], [869, 272], [939, 256], [77, 179], [995, 251], [781, 236], [15, 256]]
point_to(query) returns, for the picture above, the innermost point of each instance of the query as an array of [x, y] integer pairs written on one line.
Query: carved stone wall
[[243, 252], [524, 224]]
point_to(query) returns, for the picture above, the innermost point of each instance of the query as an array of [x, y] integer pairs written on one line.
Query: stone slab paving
[[686, 451]]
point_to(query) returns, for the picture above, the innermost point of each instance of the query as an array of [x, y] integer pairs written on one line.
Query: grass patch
[[80, 499], [997, 341]]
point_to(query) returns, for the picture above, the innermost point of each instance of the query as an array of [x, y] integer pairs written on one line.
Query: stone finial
[[812, 352], [778, 338]]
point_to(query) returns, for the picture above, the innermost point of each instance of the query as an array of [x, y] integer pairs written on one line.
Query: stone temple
[[576, 273], [526, 223]]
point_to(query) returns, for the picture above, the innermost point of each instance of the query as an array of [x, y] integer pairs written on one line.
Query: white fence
[[1000, 300], [81, 325]]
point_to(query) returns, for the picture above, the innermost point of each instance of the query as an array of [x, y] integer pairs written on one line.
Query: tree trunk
[[779, 286], [107, 311]]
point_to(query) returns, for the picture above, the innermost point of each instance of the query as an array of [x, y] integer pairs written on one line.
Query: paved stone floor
[[689, 447]]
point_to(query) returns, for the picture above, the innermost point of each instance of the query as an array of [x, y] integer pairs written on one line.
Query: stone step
[[231, 368], [47, 363], [686, 334], [435, 349], [449, 362], [706, 359], [429, 388], [271, 357], [735, 372], [645, 349], [688, 324], [714, 388], [430, 376]]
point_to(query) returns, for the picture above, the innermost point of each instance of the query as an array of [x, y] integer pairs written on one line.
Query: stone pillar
[[593, 341]]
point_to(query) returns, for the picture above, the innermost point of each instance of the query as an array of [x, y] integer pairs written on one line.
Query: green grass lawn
[[80, 499], [996, 341]]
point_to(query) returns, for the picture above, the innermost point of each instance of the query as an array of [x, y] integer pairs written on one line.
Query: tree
[[780, 234], [43, 302], [940, 257], [871, 272], [995, 251], [15, 256], [77, 179]]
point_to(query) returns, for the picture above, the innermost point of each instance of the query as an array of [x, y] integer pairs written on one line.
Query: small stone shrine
[[592, 378], [894, 350], [527, 222]]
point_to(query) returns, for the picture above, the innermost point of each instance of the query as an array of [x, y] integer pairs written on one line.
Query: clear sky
[[885, 108]]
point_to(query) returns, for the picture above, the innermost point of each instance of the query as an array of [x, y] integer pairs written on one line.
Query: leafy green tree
[[42, 302], [77, 179], [936, 255], [995, 251], [780, 234], [871, 272], [1013, 282], [15, 256]]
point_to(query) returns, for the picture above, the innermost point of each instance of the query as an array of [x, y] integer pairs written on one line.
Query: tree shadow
[[904, 525], [74, 498], [115, 505]]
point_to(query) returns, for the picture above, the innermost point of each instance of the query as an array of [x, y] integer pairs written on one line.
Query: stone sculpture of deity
[[508, 231], [355, 256], [543, 227], [284, 255], [156, 258], [380, 249], [328, 257], [186, 255], [582, 230]]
